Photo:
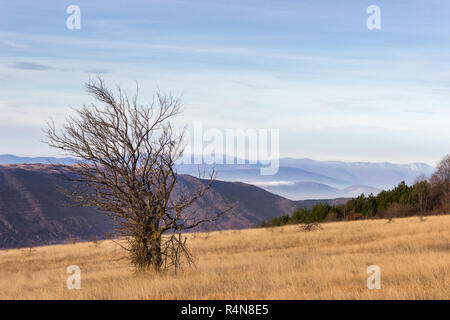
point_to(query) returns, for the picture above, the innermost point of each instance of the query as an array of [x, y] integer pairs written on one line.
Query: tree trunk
[[155, 245], [155, 251]]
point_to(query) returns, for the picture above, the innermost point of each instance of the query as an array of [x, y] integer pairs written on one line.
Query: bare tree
[[310, 226], [443, 171], [127, 169], [422, 190], [397, 210], [441, 181]]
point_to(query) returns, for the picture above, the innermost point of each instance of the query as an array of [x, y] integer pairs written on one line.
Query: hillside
[[273, 263], [34, 212]]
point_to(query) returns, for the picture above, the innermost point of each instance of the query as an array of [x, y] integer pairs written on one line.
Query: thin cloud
[[420, 111], [12, 44], [32, 66], [123, 22]]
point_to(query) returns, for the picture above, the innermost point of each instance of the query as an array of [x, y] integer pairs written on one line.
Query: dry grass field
[[276, 263]]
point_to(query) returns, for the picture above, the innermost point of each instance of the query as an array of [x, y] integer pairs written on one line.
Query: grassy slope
[[278, 263]]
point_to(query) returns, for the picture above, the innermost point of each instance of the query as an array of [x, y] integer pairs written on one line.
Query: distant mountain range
[[314, 190], [33, 211], [379, 175], [297, 179], [12, 159]]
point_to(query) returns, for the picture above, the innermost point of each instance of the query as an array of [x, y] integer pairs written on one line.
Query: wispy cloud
[[32, 66], [124, 22], [12, 44], [420, 111]]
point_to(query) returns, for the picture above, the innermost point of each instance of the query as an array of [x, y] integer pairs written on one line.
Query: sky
[[312, 69]]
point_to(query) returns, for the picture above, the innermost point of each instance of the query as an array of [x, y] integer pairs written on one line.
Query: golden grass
[[276, 263]]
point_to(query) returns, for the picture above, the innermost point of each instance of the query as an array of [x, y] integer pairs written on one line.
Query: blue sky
[[336, 90]]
